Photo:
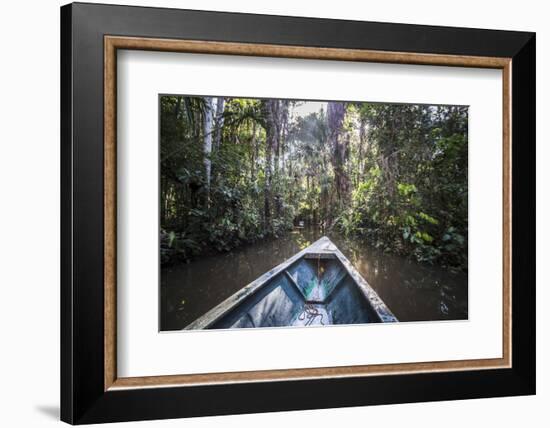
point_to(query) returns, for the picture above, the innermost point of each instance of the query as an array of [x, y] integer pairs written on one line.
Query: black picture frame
[[83, 398]]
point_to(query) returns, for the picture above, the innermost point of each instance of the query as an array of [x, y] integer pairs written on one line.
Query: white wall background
[[29, 217]]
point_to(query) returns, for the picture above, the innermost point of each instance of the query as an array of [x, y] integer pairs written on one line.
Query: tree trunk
[[207, 135], [270, 109], [254, 145], [220, 107], [282, 122], [361, 154], [335, 118], [177, 108]]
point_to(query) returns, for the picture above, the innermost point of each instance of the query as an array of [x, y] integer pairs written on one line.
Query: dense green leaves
[[413, 198], [230, 212]]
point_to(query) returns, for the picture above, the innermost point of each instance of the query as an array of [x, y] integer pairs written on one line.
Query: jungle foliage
[[234, 171]]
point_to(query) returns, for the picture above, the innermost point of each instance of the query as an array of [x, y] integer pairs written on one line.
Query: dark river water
[[412, 291]]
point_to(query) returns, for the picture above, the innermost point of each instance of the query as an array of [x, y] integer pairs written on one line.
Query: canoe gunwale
[[322, 248]]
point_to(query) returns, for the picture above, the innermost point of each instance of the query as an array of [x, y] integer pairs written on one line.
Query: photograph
[[260, 210], [297, 213]]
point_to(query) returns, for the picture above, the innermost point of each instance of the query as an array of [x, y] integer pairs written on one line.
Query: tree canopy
[[237, 170]]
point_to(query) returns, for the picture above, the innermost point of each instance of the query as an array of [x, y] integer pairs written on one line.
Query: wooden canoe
[[317, 286]]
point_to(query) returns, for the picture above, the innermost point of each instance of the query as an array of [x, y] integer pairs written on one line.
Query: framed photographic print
[[257, 207]]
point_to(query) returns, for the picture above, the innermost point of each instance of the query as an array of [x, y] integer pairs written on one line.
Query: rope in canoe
[[311, 313]]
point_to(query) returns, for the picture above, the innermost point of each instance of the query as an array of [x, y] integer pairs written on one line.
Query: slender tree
[[207, 136], [335, 120], [254, 152], [220, 107], [270, 110]]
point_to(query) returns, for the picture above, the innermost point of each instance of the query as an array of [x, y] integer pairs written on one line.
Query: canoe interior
[[315, 290]]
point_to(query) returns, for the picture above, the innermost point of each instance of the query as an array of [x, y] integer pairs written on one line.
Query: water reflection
[[413, 291]]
